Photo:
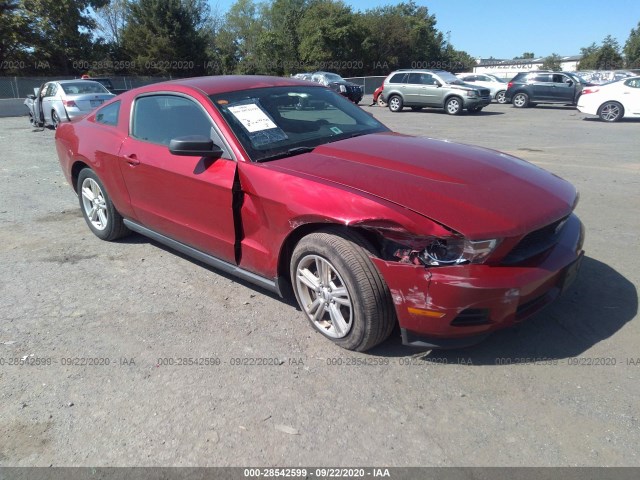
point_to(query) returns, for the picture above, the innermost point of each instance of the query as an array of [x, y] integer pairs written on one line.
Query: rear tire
[[395, 103], [520, 100], [611, 112], [97, 209], [340, 290]]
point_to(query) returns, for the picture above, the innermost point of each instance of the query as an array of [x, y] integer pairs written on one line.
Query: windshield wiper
[[289, 153]]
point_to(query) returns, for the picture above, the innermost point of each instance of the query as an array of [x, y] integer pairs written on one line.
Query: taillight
[[510, 84], [589, 90], [69, 103]]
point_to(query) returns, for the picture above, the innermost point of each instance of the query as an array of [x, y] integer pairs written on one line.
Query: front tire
[[611, 112], [501, 96], [453, 106], [97, 209], [340, 290], [520, 100], [395, 103]]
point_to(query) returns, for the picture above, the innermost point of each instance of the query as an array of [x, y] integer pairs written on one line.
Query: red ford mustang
[[368, 227]]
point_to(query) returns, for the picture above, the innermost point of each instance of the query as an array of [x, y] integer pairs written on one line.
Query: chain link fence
[[20, 87], [369, 83]]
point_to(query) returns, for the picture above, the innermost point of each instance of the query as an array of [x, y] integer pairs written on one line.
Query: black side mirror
[[31, 96], [438, 84], [195, 146]]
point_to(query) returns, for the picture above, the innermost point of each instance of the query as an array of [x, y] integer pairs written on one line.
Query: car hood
[[344, 82], [477, 192]]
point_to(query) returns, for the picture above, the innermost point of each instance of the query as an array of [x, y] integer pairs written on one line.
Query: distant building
[[509, 68]]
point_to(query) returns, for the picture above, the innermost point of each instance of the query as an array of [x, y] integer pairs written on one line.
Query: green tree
[[167, 37], [332, 38], [604, 57], [15, 32], [632, 48], [525, 56], [240, 35], [552, 62], [277, 48], [402, 36], [61, 33]]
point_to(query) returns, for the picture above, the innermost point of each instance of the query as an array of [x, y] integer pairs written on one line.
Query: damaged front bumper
[[457, 306]]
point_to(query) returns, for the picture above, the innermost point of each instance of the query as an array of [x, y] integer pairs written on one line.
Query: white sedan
[[612, 101], [497, 86]]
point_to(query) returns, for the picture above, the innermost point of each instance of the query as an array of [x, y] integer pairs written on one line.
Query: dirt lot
[[561, 389]]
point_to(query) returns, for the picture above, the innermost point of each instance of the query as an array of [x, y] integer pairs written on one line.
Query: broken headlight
[[436, 251]]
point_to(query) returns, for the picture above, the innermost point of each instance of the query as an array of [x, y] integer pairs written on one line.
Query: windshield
[[275, 122], [449, 78], [83, 86]]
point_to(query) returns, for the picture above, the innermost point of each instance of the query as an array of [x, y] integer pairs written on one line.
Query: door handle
[[132, 159]]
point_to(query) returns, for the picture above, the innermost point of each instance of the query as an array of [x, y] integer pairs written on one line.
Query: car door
[[434, 89], [186, 198], [541, 87], [630, 96], [413, 90], [48, 98], [563, 88]]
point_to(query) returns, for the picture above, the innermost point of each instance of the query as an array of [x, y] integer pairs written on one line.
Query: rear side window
[[398, 78], [635, 83], [542, 77], [108, 115]]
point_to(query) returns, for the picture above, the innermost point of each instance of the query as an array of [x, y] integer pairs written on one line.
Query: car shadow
[[622, 120], [598, 305], [137, 239], [552, 107], [483, 113]]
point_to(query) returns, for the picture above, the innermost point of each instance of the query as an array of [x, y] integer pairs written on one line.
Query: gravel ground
[[559, 390]]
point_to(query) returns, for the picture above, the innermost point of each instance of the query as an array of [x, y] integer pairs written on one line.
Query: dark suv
[[528, 88]]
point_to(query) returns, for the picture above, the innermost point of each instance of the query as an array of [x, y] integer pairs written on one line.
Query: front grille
[[535, 243], [471, 316], [485, 92]]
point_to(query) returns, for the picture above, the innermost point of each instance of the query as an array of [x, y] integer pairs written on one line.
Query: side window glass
[[159, 118], [543, 77], [414, 78], [398, 78], [108, 115], [635, 83], [427, 79], [51, 90]]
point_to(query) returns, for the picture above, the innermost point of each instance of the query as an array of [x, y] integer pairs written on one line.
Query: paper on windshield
[[252, 117]]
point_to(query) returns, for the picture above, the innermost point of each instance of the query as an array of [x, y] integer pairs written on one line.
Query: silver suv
[[433, 88]]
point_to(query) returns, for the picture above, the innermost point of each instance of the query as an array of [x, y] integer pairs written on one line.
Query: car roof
[[226, 83], [76, 80]]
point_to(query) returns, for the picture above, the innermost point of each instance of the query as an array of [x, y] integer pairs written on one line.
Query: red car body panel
[[424, 187]]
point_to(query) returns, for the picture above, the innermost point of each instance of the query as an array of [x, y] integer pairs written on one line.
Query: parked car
[[64, 100], [612, 101], [528, 88], [496, 85], [433, 88], [352, 91], [369, 228], [377, 97], [303, 76]]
